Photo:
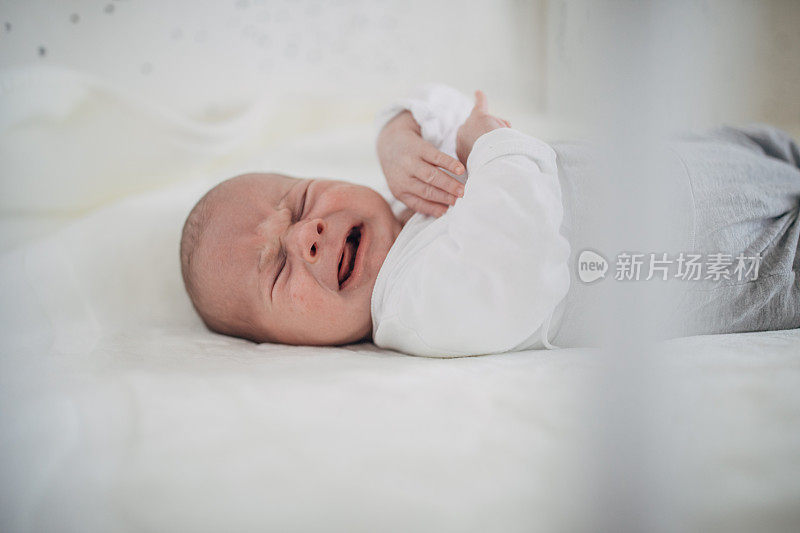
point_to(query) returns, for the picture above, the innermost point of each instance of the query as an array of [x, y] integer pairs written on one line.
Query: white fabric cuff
[[508, 141]]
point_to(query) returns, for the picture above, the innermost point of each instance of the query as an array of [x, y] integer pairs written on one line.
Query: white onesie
[[488, 275]]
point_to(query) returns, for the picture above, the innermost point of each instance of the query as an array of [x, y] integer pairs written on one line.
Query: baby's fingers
[[435, 177], [420, 205], [430, 192], [441, 159]]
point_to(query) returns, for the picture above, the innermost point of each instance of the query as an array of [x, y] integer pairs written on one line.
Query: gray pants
[[737, 191], [746, 189]]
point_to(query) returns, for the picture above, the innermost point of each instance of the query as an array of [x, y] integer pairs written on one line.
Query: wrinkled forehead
[[244, 198], [237, 207]]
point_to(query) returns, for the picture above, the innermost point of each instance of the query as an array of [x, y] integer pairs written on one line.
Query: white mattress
[[120, 412]]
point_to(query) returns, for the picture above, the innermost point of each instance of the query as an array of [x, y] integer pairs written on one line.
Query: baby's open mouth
[[348, 259]]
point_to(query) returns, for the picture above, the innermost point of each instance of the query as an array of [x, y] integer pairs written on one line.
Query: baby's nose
[[310, 239]]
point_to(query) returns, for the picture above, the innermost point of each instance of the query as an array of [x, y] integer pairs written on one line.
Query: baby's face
[[295, 260]]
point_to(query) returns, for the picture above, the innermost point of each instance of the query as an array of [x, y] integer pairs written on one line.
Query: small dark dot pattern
[[290, 47], [75, 18]]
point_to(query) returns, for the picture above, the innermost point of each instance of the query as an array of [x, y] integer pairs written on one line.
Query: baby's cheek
[[298, 299], [305, 300]]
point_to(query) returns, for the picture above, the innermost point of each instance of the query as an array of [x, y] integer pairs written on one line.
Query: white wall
[[710, 61], [737, 60], [205, 58]]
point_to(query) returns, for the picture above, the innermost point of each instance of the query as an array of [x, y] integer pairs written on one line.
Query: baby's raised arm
[[417, 144], [422, 129], [412, 167]]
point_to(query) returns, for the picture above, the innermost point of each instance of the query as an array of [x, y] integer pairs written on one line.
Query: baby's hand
[[478, 123], [412, 167]]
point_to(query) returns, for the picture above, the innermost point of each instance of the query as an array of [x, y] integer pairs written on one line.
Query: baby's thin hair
[[198, 221], [193, 228]]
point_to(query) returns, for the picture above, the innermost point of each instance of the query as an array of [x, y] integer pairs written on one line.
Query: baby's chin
[[377, 256], [384, 240], [332, 334]]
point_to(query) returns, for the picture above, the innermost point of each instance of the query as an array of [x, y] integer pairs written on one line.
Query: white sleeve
[[487, 274], [438, 109]]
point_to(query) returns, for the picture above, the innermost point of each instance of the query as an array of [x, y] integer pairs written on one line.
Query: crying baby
[[274, 258]]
